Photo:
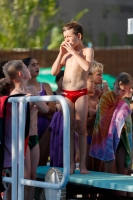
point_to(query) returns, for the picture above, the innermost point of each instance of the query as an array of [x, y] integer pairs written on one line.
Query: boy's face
[[97, 77], [70, 37], [90, 85], [34, 68], [123, 91], [26, 72]]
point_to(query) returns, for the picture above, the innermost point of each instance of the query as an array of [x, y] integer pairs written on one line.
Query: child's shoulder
[[32, 90], [14, 91], [87, 49], [88, 52]]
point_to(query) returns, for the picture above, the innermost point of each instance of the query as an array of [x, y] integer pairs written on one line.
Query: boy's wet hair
[[96, 67], [124, 79], [27, 60], [59, 75], [10, 68], [76, 26], [6, 85]]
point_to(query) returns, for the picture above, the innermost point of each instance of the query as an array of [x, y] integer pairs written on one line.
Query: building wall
[[106, 21], [114, 60]]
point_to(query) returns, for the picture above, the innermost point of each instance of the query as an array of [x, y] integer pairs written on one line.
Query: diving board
[[95, 179]]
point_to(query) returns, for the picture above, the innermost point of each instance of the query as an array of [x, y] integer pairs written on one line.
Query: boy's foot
[[84, 171], [71, 171]]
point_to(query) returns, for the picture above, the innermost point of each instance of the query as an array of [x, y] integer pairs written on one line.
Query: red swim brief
[[74, 95]]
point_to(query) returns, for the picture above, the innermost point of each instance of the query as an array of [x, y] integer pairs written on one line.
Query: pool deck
[[95, 179]]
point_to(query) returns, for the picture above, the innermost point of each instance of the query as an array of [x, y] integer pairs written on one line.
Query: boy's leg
[[110, 166], [44, 144], [121, 160], [98, 164], [89, 159], [117, 166], [72, 131], [81, 111], [120, 165]]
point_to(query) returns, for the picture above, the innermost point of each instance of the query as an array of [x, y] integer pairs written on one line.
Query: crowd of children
[[100, 119]]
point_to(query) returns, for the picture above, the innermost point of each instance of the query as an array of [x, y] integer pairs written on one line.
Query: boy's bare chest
[[71, 61]]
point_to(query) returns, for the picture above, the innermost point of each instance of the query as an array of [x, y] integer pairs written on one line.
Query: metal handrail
[[66, 143]]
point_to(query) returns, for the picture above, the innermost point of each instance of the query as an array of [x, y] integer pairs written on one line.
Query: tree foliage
[[18, 17]]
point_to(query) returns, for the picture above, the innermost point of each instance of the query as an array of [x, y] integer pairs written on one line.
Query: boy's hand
[[62, 49], [69, 47], [105, 86]]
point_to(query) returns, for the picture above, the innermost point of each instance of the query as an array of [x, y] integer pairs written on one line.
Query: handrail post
[[14, 150], [66, 142], [21, 149]]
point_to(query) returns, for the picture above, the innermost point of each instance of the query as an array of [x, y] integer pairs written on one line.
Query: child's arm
[[59, 62], [86, 61], [91, 115], [131, 106], [91, 111]]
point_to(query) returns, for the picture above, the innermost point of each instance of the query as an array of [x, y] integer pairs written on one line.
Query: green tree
[[18, 17]]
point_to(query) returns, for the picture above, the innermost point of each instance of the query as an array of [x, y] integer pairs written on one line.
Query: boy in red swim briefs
[[78, 59]]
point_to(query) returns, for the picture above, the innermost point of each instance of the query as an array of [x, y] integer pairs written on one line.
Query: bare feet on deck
[[83, 170]]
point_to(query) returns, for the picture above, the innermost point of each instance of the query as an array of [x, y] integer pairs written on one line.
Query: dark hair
[[76, 26], [27, 60], [1, 69], [59, 75], [6, 85], [124, 78]]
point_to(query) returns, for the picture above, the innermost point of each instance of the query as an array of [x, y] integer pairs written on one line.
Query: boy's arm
[[59, 62], [86, 61], [92, 111], [56, 67]]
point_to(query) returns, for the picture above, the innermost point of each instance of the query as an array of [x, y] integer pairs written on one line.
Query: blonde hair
[[96, 67], [11, 68]]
